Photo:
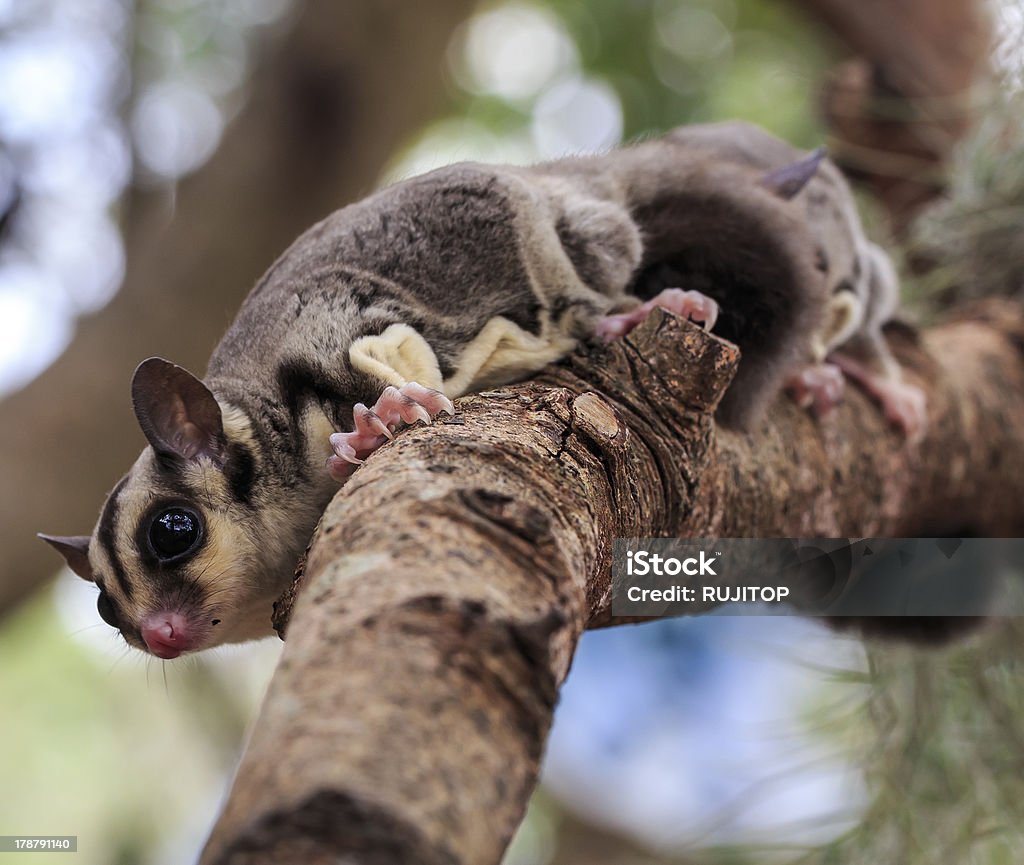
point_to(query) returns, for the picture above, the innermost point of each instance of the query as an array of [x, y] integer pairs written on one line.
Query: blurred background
[[157, 155]]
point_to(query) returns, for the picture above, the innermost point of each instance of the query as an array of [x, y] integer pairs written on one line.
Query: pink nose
[[166, 634]]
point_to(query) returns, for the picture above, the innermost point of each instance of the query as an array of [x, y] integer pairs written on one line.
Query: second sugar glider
[[468, 277], [861, 283]]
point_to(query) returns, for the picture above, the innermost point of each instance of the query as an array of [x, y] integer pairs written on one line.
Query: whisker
[[125, 651], [82, 630]]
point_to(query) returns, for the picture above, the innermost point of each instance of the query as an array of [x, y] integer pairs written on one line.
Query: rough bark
[[442, 600], [346, 83]]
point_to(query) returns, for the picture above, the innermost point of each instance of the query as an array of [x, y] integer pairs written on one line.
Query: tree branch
[[452, 576]]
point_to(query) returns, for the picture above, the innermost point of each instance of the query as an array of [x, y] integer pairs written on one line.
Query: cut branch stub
[[662, 382]]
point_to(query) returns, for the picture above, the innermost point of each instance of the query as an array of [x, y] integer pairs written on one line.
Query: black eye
[[174, 532], [105, 607], [821, 260]]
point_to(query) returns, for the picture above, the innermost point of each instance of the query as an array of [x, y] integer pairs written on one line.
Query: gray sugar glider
[[465, 278]]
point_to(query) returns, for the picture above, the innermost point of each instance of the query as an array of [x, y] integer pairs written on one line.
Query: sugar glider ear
[[787, 181], [75, 551], [178, 414]]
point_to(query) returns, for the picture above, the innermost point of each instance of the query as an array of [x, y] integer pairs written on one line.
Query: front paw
[[691, 305], [819, 387], [373, 426]]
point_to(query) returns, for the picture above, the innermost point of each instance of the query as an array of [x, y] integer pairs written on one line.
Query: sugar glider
[[862, 285], [468, 277]]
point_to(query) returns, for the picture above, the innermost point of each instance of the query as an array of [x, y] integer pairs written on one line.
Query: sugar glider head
[[177, 553], [863, 285], [831, 216], [850, 262]]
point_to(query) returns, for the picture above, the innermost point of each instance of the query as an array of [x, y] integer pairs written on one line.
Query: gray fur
[[490, 272]]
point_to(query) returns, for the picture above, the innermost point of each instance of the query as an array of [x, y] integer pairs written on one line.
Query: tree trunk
[[331, 101], [452, 576]]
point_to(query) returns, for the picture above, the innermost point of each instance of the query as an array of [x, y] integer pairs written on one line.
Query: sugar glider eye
[[174, 532], [105, 607], [821, 260]]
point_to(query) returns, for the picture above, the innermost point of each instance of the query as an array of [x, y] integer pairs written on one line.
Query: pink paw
[[906, 406], [688, 304], [819, 388], [406, 404]]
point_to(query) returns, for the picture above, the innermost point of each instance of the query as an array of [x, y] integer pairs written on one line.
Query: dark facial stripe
[[299, 383], [240, 472], [105, 536]]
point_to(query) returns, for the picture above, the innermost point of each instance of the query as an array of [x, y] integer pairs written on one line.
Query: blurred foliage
[[942, 747], [971, 244], [189, 65], [533, 80], [683, 61]]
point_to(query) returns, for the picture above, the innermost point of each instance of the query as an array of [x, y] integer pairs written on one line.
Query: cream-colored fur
[[398, 355], [501, 349]]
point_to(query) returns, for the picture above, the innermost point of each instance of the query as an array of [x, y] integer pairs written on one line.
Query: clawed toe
[[346, 457], [433, 401], [343, 448], [367, 421]]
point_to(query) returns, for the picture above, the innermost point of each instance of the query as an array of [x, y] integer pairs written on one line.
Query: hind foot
[[819, 387], [687, 304], [904, 405], [373, 426]]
